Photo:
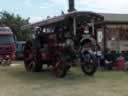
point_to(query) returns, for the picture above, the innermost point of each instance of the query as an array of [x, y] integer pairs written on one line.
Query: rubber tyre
[[89, 68]]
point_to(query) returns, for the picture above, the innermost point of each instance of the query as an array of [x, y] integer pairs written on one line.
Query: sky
[[39, 9]]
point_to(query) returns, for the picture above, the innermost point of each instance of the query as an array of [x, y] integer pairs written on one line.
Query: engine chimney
[[71, 6]]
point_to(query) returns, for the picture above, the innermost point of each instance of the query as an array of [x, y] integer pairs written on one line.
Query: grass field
[[15, 81]]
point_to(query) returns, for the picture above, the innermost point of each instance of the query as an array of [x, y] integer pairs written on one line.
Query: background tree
[[15, 22]]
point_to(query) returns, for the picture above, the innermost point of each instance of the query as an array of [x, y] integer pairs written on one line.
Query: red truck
[[7, 45]]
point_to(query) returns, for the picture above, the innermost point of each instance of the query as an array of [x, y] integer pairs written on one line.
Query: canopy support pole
[[93, 27], [74, 26]]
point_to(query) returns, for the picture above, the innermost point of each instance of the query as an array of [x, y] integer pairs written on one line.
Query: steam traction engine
[[63, 41]]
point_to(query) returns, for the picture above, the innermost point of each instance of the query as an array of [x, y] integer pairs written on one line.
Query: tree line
[[15, 22]]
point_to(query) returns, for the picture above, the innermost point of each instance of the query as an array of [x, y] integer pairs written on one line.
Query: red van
[[7, 45]]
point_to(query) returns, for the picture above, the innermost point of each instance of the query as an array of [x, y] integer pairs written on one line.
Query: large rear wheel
[[30, 59]]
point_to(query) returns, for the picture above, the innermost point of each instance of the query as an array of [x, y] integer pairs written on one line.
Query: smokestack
[[71, 5]]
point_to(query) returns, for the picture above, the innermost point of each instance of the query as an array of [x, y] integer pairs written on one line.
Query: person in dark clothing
[[110, 60]]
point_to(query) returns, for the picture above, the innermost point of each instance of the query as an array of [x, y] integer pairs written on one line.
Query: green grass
[[15, 81]]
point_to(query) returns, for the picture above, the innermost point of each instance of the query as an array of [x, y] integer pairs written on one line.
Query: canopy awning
[[77, 14]]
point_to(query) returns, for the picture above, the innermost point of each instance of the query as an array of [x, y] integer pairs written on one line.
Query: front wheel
[[89, 64], [60, 71]]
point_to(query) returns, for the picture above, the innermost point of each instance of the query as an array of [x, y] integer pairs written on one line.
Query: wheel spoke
[[60, 69]]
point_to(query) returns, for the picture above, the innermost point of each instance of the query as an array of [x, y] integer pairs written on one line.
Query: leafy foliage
[[15, 22]]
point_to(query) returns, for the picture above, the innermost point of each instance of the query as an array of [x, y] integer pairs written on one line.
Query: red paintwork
[[6, 33], [121, 63], [7, 49]]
